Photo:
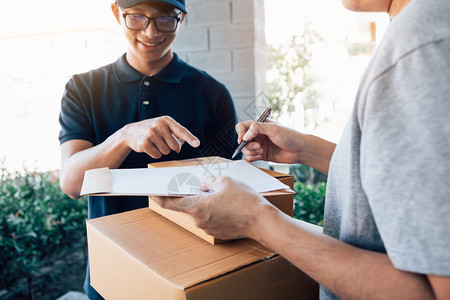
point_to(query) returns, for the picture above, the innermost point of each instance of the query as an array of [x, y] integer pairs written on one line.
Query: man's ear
[[116, 11], [183, 15]]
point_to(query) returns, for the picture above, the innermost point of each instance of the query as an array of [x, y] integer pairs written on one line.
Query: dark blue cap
[[175, 3]]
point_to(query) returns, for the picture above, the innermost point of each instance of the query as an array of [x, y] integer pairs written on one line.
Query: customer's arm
[[235, 210], [273, 142], [156, 137], [347, 271]]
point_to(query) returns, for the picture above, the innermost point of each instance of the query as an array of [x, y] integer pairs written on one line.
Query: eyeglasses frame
[[124, 15]]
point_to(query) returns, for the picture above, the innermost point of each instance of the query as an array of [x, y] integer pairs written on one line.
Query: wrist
[[263, 217], [316, 152], [119, 141], [305, 149], [122, 135]]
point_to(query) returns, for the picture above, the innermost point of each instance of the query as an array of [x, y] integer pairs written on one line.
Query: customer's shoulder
[[420, 25]]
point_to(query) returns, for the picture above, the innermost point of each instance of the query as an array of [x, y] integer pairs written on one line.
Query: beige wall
[[226, 39]]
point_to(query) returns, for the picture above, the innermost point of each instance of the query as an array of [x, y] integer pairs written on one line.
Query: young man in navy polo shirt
[[141, 108]]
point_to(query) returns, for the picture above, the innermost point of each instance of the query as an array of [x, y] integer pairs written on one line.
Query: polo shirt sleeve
[[405, 159], [74, 115]]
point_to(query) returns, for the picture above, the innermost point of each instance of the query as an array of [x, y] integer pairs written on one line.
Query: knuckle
[[140, 147], [166, 119], [195, 211], [151, 134], [202, 225], [225, 180], [240, 128], [254, 127], [157, 126]]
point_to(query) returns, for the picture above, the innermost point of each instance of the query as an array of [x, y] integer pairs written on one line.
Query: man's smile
[[151, 44]]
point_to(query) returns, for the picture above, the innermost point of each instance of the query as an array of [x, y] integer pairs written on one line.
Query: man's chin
[[366, 5]]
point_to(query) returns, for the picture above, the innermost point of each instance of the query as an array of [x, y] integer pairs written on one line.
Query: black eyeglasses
[[140, 22]]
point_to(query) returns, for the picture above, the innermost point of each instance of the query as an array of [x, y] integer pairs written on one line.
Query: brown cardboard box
[[142, 255], [284, 200]]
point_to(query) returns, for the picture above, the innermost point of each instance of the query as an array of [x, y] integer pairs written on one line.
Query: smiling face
[[149, 50]]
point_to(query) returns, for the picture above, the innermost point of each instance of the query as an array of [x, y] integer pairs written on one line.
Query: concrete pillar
[[226, 39]]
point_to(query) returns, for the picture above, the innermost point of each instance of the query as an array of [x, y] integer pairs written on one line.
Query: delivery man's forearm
[[77, 156]]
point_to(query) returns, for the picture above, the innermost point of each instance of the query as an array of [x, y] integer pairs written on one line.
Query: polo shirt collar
[[172, 73]]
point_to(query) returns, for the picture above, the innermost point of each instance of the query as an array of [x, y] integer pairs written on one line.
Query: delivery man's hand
[[158, 136], [230, 210]]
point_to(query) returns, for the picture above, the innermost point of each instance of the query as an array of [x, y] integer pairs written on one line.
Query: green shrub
[[310, 189], [305, 174], [309, 201], [38, 222]]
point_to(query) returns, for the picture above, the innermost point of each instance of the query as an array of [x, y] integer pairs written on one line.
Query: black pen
[[262, 119]]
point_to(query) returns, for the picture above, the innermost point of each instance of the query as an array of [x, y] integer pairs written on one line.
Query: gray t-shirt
[[389, 181]]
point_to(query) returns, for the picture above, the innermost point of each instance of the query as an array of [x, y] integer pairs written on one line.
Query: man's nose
[[151, 30]]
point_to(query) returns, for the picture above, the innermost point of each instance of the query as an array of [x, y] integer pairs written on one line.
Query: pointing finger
[[182, 133]]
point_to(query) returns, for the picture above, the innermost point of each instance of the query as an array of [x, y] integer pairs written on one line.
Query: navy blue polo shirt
[[98, 103]]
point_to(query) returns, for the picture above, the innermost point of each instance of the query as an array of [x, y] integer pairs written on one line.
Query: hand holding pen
[[270, 141], [262, 119]]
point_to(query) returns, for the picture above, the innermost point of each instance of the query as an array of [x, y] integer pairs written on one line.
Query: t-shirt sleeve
[[405, 158], [74, 115]]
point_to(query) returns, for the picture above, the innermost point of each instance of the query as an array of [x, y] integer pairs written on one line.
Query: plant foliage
[[37, 222], [290, 75], [310, 189], [309, 201]]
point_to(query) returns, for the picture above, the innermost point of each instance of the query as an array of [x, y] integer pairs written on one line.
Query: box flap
[[183, 220], [190, 162], [275, 173], [175, 254]]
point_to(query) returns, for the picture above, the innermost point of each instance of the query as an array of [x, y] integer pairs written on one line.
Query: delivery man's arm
[[156, 137]]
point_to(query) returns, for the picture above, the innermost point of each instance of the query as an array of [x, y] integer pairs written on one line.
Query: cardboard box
[[284, 200], [142, 255]]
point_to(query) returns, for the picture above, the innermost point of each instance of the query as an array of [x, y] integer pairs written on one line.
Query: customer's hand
[[158, 136], [270, 142], [229, 209]]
